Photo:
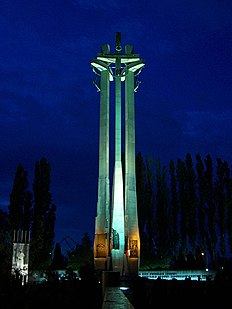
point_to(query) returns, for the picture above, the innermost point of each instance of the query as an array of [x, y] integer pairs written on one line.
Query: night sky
[[49, 106]]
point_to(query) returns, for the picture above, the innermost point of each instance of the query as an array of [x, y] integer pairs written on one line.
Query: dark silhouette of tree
[[5, 246], [82, 254], [27, 222], [190, 191], [200, 258], [220, 200], [201, 215], [149, 202], [181, 183], [58, 261], [192, 216], [210, 209], [161, 217], [141, 203], [86, 265], [229, 207], [184, 218], [174, 235], [20, 201], [43, 217], [19, 212], [190, 261]]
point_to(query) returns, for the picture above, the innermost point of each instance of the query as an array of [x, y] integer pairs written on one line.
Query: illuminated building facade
[[117, 240]]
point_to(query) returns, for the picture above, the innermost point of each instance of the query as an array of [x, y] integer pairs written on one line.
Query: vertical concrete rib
[[118, 232], [102, 224], [131, 216]]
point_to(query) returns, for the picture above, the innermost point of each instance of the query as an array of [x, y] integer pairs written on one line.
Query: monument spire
[[116, 240]]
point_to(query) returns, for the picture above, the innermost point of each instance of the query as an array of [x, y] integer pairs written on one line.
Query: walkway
[[114, 298]]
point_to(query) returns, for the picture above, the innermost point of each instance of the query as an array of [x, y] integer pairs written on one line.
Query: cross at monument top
[[118, 42]]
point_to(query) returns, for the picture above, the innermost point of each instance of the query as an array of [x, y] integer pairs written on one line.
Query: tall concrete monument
[[117, 240]]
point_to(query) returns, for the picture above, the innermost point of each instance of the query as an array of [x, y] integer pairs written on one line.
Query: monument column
[[117, 242], [118, 230], [131, 216], [102, 220]]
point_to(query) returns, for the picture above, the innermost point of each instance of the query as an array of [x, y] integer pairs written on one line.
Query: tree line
[[184, 211], [32, 211]]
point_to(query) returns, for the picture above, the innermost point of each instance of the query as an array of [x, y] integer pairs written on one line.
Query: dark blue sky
[[49, 106]]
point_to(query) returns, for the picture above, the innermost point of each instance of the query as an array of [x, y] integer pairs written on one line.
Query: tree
[[190, 191], [229, 207], [58, 261], [141, 203], [181, 182], [220, 200], [162, 218], [210, 208], [5, 246], [149, 209], [82, 255], [43, 217], [228, 201], [173, 211], [20, 201], [201, 189]]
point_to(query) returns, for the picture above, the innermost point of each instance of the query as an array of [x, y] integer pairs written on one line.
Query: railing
[[200, 275]]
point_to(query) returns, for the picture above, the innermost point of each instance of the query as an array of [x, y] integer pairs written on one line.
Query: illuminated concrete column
[[131, 216], [118, 230], [102, 220]]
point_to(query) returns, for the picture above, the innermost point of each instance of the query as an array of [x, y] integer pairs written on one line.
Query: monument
[[20, 256], [117, 240]]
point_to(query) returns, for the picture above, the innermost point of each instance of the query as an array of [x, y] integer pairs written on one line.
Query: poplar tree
[[162, 219], [181, 182], [43, 217], [5, 245], [149, 202], [58, 261], [220, 200], [173, 211], [210, 208], [201, 189], [20, 201], [190, 193], [229, 207], [141, 203], [228, 201]]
